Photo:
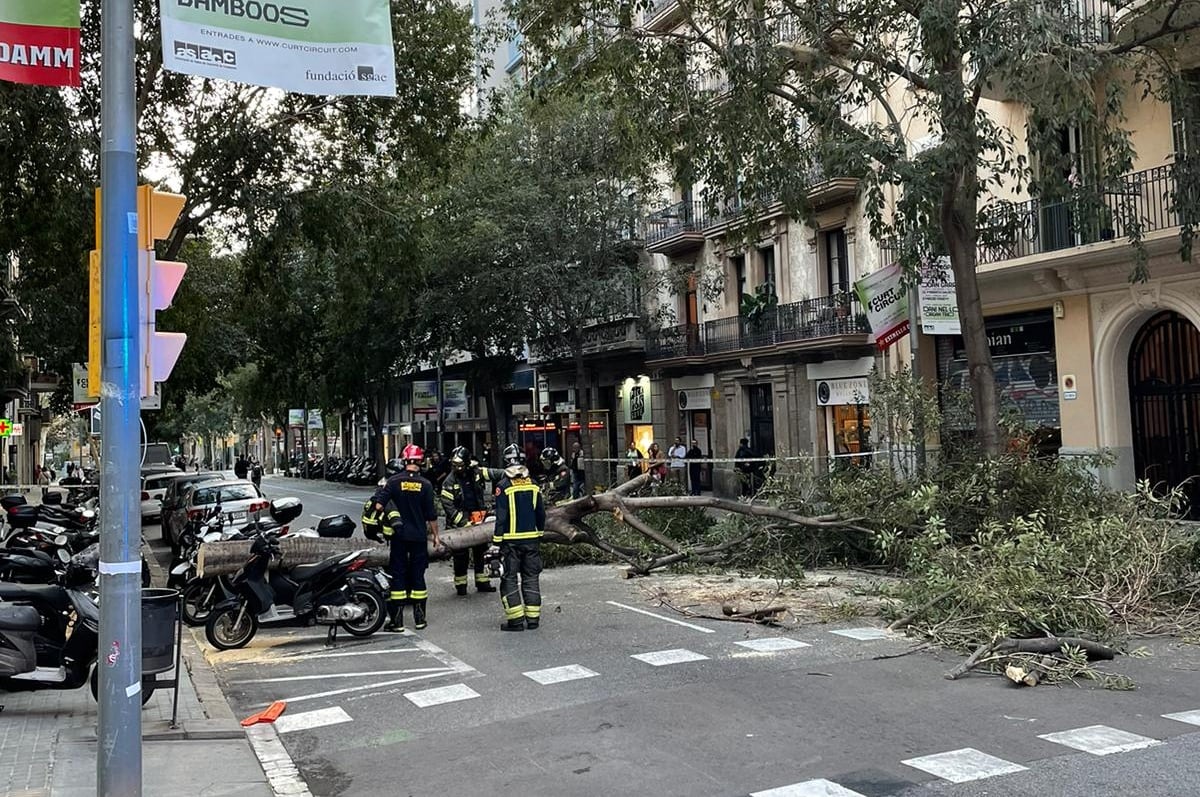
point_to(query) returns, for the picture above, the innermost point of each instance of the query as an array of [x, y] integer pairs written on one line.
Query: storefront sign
[[635, 401], [938, 301], [843, 391], [39, 42], [315, 421], [699, 398], [425, 397], [882, 295], [456, 395], [307, 46]]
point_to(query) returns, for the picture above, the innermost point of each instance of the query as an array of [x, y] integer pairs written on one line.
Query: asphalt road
[[568, 709]]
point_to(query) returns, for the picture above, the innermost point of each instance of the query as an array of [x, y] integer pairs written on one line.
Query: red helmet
[[412, 453]]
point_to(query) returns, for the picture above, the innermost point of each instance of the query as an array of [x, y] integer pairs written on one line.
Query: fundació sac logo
[[205, 54]]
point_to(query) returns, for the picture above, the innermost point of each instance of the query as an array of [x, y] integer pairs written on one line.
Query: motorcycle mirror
[[381, 483], [61, 540], [88, 514], [63, 556]]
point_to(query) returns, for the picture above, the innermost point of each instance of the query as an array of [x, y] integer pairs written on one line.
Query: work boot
[[396, 624], [484, 586], [531, 624], [419, 614], [461, 589], [513, 625]]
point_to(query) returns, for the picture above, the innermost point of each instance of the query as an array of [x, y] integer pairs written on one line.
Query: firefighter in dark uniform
[[556, 477], [520, 521], [412, 496], [462, 499]]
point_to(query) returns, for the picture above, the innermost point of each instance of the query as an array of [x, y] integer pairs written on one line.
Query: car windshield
[[227, 492]]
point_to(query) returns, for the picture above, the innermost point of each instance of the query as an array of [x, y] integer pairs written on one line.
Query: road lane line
[[661, 658], [660, 617], [458, 665], [364, 687], [441, 695], [356, 501], [558, 675], [297, 656], [1100, 740], [809, 788], [1190, 717], [307, 720], [368, 674], [772, 644], [862, 634], [963, 766]]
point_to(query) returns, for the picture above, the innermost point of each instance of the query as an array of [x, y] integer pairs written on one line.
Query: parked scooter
[[339, 591]]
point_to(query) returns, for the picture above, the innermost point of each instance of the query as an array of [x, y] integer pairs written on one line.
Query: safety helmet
[[550, 455], [460, 457], [412, 454], [513, 455]]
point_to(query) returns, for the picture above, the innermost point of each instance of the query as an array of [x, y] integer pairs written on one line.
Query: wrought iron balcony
[[675, 228], [809, 320]]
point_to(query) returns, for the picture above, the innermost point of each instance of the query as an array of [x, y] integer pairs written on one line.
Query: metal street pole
[[119, 762]]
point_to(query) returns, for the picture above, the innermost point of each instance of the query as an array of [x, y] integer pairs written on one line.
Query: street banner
[[315, 421], [39, 42], [296, 417], [307, 46], [425, 397], [456, 395], [882, 294], [938, 302]]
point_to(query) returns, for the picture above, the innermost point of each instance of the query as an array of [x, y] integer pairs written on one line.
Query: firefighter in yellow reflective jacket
[[377, 524], [462, 499], [556, 477], [520, 520], [416, 522]]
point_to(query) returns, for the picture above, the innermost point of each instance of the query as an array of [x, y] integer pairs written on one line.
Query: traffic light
[[158, 280]]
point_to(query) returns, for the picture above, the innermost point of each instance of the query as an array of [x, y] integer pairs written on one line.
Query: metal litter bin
[[160, 616]]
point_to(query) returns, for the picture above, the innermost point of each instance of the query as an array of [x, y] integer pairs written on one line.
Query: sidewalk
[[48, 740]]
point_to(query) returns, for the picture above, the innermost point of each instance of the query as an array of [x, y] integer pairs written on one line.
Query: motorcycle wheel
[[147, 687], [376, 615], [196, 601], [224, 632]]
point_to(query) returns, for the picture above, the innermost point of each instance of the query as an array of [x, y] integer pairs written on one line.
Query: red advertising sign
[[39, 42]]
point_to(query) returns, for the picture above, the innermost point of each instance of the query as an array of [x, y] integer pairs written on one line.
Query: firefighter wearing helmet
[[520, 521], [415, 523], [462, 495]]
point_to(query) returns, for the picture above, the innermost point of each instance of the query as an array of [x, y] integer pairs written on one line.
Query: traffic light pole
[[119, 759]]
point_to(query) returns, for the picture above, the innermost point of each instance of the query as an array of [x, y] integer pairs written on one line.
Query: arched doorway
[[1164, 395]]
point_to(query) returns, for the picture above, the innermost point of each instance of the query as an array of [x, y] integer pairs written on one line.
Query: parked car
[[237, 497], [173, 497], [154, 486]]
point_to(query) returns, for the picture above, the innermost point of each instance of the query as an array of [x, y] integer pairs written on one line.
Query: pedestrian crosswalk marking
[[773, 644], [862, 634], [809, 788], [963, 766], [558, 675], [1190, 717], [307, 720], [661, 658], [1100, 740], [442, 694]]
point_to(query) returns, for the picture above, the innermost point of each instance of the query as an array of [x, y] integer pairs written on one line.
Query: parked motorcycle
[[339, 591]]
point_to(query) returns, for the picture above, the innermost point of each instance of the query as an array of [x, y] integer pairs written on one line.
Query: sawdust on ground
[[822, 596]]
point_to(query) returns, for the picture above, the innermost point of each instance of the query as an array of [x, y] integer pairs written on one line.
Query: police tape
[[725, 460]]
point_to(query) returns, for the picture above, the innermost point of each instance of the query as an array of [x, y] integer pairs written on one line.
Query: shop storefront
[[636, 414], [845, 405]]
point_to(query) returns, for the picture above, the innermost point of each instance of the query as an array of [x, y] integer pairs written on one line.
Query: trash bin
[[160, 614]]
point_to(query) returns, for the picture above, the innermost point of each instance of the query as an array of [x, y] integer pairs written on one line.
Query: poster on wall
[[306, 46], [635, 401], [937, 300], [315, 421], [882, 295], [425, 397], [39, 42], [456, 396]]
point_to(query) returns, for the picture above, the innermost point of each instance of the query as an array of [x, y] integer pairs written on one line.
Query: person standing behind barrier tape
[[412, 496], [520, 520]]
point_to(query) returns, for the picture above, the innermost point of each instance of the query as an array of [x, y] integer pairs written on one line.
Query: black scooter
[[339, 591]]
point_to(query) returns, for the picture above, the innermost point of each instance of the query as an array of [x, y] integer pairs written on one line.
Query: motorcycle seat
[[304, 572], [19, 618], [50, 595]]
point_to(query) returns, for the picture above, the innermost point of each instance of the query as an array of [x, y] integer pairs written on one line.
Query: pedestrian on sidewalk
[[678, 453], [745, 469], [412, 495], [578, 476], [694, 455], [633, 458]]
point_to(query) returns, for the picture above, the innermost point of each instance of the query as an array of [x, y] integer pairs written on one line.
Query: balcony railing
[[674, 219], [1091, 20], [809, 319], [1142, 202]]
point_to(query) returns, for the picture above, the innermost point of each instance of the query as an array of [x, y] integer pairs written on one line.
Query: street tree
[[756, 101]]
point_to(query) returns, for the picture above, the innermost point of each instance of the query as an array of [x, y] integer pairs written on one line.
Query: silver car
[[237, 497]]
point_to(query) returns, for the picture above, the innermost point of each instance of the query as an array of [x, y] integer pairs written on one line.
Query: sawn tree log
[[565, 524]]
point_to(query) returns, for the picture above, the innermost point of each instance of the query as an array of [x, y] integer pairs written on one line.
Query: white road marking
[[307, 720], [558, 675], [1190, 717], [364, 674], [440, 695], [295, 656], [364, 687], [458, 665], [963, 766], [862, 634], [773, 644], [661, 658], [809, 788], [356, 501], [1100, 740], [280, 770], [660, 617]]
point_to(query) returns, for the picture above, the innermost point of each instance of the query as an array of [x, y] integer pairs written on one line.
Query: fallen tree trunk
[[1045, 646]]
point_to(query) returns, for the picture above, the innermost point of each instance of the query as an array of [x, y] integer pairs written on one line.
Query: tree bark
[[376, 422]]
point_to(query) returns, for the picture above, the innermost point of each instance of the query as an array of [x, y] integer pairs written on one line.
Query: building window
[[768, 264], [1185, 114], [739, 278], [837, 260]]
